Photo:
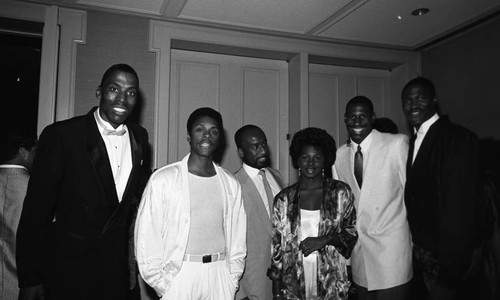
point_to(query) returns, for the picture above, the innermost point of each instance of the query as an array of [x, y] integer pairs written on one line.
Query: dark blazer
[[441, 197], [74, 233]]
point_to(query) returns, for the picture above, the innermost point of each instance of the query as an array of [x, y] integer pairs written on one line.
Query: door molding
[[63, 29], [164, 34]]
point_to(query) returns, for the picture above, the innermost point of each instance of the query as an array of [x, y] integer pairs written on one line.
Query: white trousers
[[199, 281]]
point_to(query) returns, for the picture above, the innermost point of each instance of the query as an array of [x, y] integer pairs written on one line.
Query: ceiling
[[386, 23]]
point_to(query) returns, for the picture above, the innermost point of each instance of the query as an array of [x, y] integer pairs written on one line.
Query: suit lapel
[[96, 150], [426, 147], [255, 200], [128, 194], [137, 162]]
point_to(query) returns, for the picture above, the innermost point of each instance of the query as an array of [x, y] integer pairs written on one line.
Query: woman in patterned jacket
[[314, 225]]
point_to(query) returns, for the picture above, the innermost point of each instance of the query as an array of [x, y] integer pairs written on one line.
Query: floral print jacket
[[337, 215]]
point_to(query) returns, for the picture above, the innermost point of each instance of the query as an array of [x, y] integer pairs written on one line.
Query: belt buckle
[[207, 258]]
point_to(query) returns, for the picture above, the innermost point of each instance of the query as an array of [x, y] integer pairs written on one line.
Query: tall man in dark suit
[[260, 183], [73, 236], [440, 194]]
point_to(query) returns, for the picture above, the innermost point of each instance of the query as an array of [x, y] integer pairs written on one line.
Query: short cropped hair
[[360, 100], [422, 81], [318, 138], [11, 143], [118, 67], [238, 136], [205, 112]]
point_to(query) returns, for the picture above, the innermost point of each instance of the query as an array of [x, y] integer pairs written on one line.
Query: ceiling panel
[[297, 16], [389, 22], [142, 6]]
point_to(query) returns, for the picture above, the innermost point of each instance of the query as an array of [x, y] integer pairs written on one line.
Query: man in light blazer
[[254, 152], [373, 164], [16, 158], [74, 233]]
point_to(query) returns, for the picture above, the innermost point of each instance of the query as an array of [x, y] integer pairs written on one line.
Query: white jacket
[[163, 220], [383, 253]]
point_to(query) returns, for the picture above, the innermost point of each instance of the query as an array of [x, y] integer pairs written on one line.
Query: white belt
[[204, 258]]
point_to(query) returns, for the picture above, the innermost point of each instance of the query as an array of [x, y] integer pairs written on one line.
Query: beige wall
[[111, 39], [91, 41], [465, 71]]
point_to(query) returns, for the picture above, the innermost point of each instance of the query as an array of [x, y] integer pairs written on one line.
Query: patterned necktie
[[358, 166], [267, 188]]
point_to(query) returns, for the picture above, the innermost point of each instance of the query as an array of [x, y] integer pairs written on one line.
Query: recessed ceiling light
[[400, 18], [420, 11]]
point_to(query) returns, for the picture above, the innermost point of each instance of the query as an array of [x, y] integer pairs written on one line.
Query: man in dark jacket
[[84, 189], [441, 194]]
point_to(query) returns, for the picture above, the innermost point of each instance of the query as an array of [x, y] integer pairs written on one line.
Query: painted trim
[[162, 33], [73, 31]]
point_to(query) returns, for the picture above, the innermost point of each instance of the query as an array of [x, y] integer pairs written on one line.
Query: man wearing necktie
[[374, 165], [441, 197], [74, 233], [260, 183]]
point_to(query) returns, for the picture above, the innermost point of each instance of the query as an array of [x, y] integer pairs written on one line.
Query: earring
[[299, 172], [323, 172]]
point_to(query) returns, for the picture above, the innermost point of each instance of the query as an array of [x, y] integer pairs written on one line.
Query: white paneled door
[[331, 87], [244, 90]]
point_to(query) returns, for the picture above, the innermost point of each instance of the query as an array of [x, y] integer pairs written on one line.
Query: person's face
[[418, 104], [204, 136], [118, 96], [311, 162], [254, 151], [359, 121]]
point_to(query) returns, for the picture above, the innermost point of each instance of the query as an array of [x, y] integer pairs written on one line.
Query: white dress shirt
[[421, 132], [253, 173], [119, 153]]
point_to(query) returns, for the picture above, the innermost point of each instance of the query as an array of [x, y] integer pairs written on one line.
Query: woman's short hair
[[318, 138]]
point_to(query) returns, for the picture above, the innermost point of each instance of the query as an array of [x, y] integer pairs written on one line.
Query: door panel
[[244, 90], [331, 87]]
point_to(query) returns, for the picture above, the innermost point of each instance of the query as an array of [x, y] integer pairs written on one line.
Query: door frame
[[63, 30]]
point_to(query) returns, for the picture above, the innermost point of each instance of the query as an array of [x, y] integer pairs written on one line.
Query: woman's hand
[[311, 244]]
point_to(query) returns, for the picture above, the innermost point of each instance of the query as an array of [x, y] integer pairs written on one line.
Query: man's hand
[[32, 293]]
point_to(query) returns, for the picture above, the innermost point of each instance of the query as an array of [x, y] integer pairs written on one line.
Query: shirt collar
[[365, 144], [104, 124], [6, 166], [422, 130], [251, 171]]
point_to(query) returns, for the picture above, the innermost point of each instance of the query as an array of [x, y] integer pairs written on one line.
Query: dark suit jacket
[[441, 197], [73, 234]]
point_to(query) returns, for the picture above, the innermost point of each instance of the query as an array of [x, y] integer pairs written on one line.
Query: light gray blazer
[[255, 284], [383, 251]]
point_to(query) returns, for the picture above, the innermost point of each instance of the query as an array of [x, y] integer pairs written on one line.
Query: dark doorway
[[20, 57]]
